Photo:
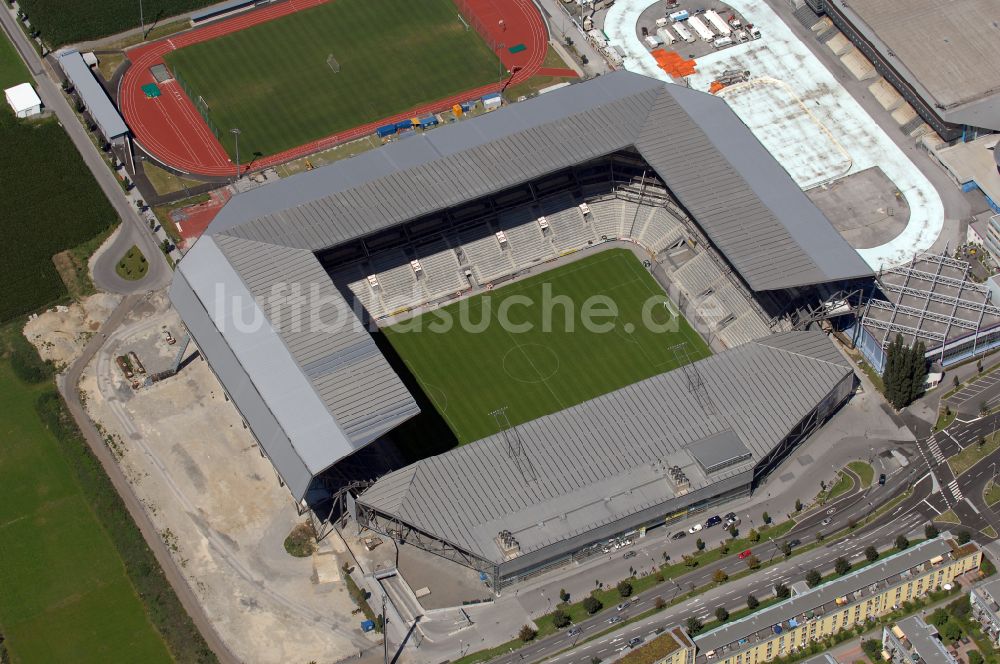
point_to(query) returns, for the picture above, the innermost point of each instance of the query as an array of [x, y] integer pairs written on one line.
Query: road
[[68, 383], [133, 228], [904, 518]]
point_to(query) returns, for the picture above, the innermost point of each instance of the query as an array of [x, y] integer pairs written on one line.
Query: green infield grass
[[469, 370], [276, 81], [66, 596]]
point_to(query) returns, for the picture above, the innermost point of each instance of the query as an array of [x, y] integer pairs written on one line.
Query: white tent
[[23, 100]]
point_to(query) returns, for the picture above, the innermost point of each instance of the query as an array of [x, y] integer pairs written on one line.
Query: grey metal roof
[[93, 95], [961, 81], [743, 199], [731, 633], [718, 451], [924, 641], [312, 393], [605, 459], [261, 245]]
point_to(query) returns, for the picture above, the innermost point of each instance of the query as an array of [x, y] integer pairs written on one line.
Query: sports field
[[470, 370], [274, 81]]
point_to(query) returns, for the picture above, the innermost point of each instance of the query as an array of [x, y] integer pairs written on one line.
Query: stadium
[[297, 293]]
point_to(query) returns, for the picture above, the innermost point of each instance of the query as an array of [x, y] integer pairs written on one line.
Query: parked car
[[826, 521], [881, 479], [731, 523], [680, 534], [624, 605], [713, 521], [731, 516], [744, 555], [630, 554], [695, 528]]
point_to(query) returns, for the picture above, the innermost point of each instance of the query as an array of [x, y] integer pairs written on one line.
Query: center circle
[[530, 363]]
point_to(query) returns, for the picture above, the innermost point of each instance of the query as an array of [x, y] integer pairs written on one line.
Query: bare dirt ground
[[60, 334], [215, 499]]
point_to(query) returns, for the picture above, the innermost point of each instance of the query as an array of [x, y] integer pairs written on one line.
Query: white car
[[695, 528]]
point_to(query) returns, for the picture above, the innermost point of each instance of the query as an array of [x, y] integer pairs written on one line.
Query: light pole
[[235, 131], [142, 22]]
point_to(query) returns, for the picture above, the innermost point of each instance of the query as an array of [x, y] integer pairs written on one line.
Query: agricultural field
[[52, 203], [69, 21], [277, 82], [66, 596], [469, 370]]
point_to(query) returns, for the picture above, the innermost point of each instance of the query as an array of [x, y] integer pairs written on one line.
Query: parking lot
[[655, 23]]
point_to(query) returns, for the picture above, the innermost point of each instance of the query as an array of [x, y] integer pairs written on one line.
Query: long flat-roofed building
[[941, 57], [853, 599], [912, 641]]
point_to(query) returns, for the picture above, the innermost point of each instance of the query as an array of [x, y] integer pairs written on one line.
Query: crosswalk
[[955, 491], [935, 451]]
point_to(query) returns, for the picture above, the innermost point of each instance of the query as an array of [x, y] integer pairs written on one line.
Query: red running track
[[170, 128]]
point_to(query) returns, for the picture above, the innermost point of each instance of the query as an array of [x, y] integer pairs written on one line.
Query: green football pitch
[[275, 80], [469, 370]]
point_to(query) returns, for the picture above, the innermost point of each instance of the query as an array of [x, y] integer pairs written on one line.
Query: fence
[[469, 16], [198, 101]]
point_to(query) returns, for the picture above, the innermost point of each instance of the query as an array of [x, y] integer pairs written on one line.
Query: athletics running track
[[170, 128]]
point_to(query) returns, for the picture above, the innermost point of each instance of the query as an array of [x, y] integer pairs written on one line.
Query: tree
[[951, 630], [527, 633], [813, 577], [871, 554], [964, 537], [905, 372], [766, 518], [563, 595], [930, 531], [984, 410], [975, 657], [734, 532], [592, 605], [954, 381], [624, 587], [798, 505], [786, 548], [842, 566], [753, 535], [873, 649], [690, 561], [753, 562], [693, 626], [721, 614], [700, 543], [660, 603], [752, 602], [939, 617], [560, 618], [781, 591], [720, 576], [902, 542]]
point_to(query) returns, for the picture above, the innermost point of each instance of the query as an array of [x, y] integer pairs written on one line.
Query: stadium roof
[[744, 628], [946, 52], [93, 95], [608, 458], [261, 247]]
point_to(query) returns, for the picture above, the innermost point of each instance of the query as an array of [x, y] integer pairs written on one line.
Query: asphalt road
[[133, 229], [904, 518]]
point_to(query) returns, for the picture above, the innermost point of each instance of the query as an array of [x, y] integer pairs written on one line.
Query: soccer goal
[[332, 63]]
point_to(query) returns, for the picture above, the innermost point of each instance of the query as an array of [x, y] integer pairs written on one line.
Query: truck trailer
[[666, 35], [683, 32], [701, 29], [716, 21]]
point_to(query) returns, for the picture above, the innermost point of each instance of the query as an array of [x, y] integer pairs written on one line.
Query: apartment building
[[985, 599], [912, 641]]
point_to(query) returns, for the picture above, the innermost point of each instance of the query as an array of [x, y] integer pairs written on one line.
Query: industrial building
[[912, 641], [940, 57], [930, 299], [853, 599], [278, 293], [96, 102]]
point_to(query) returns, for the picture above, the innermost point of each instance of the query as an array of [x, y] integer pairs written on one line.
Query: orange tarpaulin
[[715, 87], [674, 63]]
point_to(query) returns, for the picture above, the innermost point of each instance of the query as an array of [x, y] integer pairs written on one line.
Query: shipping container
[[682, 15], [386, 130]]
